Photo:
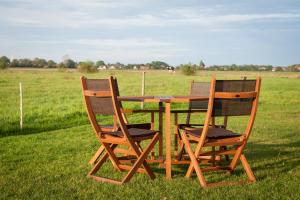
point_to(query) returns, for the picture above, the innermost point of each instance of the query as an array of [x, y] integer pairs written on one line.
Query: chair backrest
[[98, 101], [233, 98], [199, 89], [229, 99]]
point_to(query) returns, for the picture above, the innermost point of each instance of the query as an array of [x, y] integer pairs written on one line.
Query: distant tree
[[69, 63], [5, 59], [235, 67], [201, 65], [4, 62], [86, 67], [294, 68], [14, 63], [188, 69], [158, 65], [119, 65], [39, 62], [25, 62], [51, 64], [99, 63]]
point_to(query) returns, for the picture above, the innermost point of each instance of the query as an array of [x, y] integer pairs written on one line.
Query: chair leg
[[194, 161], [112, 156], [141, 161], [181, 151], [96, 156], [235, 158], [98, 164], [247, 168]]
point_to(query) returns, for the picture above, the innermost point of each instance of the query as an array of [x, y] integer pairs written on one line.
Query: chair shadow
[[282, 158], [33, 127]]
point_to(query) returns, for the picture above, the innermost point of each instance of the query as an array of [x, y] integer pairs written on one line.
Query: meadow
[[49, 157]]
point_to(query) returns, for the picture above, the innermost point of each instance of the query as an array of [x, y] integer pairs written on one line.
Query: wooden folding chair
[[121, 141], [103, 107], [227, 98], [196, 89]]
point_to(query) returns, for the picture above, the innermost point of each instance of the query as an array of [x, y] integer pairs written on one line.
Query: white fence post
[[143, 88], [21, 107]]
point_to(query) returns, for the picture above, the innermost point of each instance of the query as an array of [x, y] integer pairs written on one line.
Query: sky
[[140, 31]]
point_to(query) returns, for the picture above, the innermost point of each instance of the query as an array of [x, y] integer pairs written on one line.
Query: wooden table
[[168, 100]]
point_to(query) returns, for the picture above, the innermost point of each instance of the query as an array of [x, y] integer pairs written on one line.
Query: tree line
[[188, 69], [5, 62]]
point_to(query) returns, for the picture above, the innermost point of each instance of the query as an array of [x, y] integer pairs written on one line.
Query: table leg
[[168, 140]]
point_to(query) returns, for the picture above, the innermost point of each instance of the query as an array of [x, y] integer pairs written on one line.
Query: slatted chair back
[[233, 98], [98, 101], [198, 89], [236, 97]]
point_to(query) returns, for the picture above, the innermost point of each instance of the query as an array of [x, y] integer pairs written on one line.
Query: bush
[[4, 62], [61, 67], [188, 69], [87, 67], [3, 65]]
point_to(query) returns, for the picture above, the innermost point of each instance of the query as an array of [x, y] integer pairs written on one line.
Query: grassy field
[[49, 158]]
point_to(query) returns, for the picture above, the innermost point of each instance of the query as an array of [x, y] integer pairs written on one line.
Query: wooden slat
[[235, 95], [134, 98], [97, 93], [220, 152], [189, 111], [124, 151], [159, 160], [138, 111], [225, 142], [179, 99]]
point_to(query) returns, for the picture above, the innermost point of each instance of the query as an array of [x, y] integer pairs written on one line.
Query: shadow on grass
[[263, 158], [35, 125]]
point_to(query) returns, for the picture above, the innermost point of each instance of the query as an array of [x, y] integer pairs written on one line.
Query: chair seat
[[139, 126], [213, 133], [134, 132]]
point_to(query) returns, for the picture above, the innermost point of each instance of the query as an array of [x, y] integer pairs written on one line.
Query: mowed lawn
[[48, 159]]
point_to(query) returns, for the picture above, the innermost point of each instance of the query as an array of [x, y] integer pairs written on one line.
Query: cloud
[[127, 50], [92, 13]]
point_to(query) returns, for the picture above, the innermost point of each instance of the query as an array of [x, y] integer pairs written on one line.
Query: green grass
[[49, 158]]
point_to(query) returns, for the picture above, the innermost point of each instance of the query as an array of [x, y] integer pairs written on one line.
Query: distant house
[[144, 67], [273, 69], [112, 67], [279, 69], [102, 67]]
